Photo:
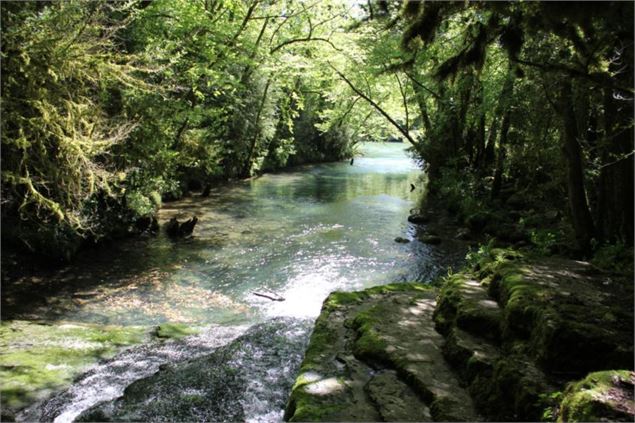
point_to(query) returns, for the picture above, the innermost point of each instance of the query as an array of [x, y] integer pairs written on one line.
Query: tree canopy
[[111, 107]]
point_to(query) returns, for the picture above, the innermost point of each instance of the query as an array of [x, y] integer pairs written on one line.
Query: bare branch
[[303, 40], [370, 101]]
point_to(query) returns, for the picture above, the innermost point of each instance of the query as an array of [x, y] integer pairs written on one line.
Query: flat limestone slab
[[375, 356]]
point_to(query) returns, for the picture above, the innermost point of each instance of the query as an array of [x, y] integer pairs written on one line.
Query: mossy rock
[[39, 359], [601, 396], [566, 315], [174, 331], [516, 390], [577, 344], [464, 303], [448, 303], [374, 355], [369, 345]]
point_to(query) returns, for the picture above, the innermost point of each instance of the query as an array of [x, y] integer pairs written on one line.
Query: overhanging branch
[[303, 40], [376, 106]]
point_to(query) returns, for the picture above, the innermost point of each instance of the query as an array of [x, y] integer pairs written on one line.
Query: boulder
[[174, 229], [477, 221], [601, 396], [374, 356], [418, 219], [430, 239]]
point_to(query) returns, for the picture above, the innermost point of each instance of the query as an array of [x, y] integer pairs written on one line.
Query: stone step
[[504, 386], [464, 303], [395, 400], [375, 355], [399, 332], [574, 319], [469, 355]]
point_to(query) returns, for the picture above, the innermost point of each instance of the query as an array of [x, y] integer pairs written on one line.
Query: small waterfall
[[107, 381], [224, 374]]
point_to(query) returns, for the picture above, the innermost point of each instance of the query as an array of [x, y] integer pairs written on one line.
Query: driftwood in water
[[272, 297], [175, 229]]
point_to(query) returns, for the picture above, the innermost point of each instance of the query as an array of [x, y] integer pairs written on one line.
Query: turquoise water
[[299, 234]]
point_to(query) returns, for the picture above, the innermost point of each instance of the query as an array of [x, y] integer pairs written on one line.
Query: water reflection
[[300, 234]]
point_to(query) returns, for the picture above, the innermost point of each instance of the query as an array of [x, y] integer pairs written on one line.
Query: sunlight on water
[[298, 235]]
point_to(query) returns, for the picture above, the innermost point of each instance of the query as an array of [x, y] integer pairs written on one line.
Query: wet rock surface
[[500, 342], [247, 379], [375, 355]]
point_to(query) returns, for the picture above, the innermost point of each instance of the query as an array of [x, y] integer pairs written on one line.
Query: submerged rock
[[173, 330], [418, 219], [430, 239], [39, 359]]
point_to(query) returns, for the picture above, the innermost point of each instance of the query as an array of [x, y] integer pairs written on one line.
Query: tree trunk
[[580, 214], [252, 148], [477, 144], [500, 157], [504, 104], [423, 109], [615, 199], [488, 154]]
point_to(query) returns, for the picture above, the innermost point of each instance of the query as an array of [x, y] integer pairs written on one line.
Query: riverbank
[[507, 338], [301, 234]]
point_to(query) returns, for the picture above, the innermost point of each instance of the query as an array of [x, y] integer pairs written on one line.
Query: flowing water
[[298, 234]]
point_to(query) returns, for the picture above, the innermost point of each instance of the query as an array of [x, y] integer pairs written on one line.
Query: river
[[298, 234]]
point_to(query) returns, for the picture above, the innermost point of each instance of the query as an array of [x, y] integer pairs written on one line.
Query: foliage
[[536, 97], [56, 132], [109, 106], [614, 258]]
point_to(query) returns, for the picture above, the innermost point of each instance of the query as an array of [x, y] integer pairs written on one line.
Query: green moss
[[614, 258], [337, 299], [515, 389], [597, 398], [312, 412], [39, 359], [369, 345], [174, 331], [321, 340], [463, 303], [448, 302], [398, 287]]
